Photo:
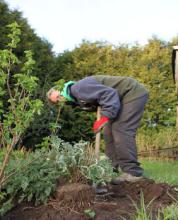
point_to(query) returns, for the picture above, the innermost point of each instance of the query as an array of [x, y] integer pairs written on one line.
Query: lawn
[[161, 171]]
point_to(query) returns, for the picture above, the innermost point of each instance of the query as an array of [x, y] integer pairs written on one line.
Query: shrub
[[36, 175]]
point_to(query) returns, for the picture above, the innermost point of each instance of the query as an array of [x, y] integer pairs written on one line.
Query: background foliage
[[149, 64]]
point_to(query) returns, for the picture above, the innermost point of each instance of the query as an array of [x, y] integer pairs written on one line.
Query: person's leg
[[109, 144], [124, 132]]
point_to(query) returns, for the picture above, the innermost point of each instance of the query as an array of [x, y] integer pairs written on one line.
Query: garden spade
[[98, 135], [99, 189]]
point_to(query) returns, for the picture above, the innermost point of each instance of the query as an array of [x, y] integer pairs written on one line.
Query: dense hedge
[[149, 64]]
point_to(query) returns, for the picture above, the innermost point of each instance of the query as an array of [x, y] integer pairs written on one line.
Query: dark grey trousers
[[120, 134]]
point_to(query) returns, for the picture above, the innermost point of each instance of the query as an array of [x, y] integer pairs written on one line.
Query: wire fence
[[168, 153]]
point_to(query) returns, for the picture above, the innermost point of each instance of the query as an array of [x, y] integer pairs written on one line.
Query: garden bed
[[77, 201]]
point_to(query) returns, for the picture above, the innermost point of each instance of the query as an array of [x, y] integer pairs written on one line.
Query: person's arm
[[89, 89]]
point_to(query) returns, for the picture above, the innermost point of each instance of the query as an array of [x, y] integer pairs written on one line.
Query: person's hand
[[100, 124]]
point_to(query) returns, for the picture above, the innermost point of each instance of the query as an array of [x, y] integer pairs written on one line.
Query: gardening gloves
[[100, 124]]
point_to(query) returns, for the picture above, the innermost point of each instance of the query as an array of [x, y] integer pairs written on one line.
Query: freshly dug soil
[[71, 200]]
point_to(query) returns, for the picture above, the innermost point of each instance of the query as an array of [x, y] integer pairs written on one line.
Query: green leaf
[[90, 213]]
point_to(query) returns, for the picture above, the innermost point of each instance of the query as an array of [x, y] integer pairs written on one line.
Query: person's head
[[54, 95]]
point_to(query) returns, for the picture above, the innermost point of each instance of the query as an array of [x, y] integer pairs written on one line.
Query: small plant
[[142, 212], [168, 213], [59, 85], [54, 126], [100, 172], [6, 206], [79, 157], [90, 213]]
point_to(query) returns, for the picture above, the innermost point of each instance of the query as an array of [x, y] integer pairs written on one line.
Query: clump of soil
[[73, 197], [71, 200]]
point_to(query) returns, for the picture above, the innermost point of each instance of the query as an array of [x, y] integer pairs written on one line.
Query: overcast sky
[[64, 23]]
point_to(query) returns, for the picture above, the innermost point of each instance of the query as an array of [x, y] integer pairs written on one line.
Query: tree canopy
[[149, 64]]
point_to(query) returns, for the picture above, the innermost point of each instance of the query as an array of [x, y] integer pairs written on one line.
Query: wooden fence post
[[175, 73]]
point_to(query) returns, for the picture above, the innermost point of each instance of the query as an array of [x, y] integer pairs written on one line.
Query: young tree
[[18, 88]]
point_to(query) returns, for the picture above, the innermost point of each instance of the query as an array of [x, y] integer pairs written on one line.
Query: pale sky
[[64, 23]]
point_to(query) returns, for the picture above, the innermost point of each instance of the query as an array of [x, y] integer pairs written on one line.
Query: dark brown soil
[[71, 200]]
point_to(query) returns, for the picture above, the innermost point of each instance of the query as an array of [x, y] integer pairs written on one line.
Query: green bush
[[36, 173]]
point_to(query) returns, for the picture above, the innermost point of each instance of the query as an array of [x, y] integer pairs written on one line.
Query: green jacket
[[127, 87]]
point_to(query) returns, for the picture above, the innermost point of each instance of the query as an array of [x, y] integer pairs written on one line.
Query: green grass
[[161, 171], [167, 213]]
